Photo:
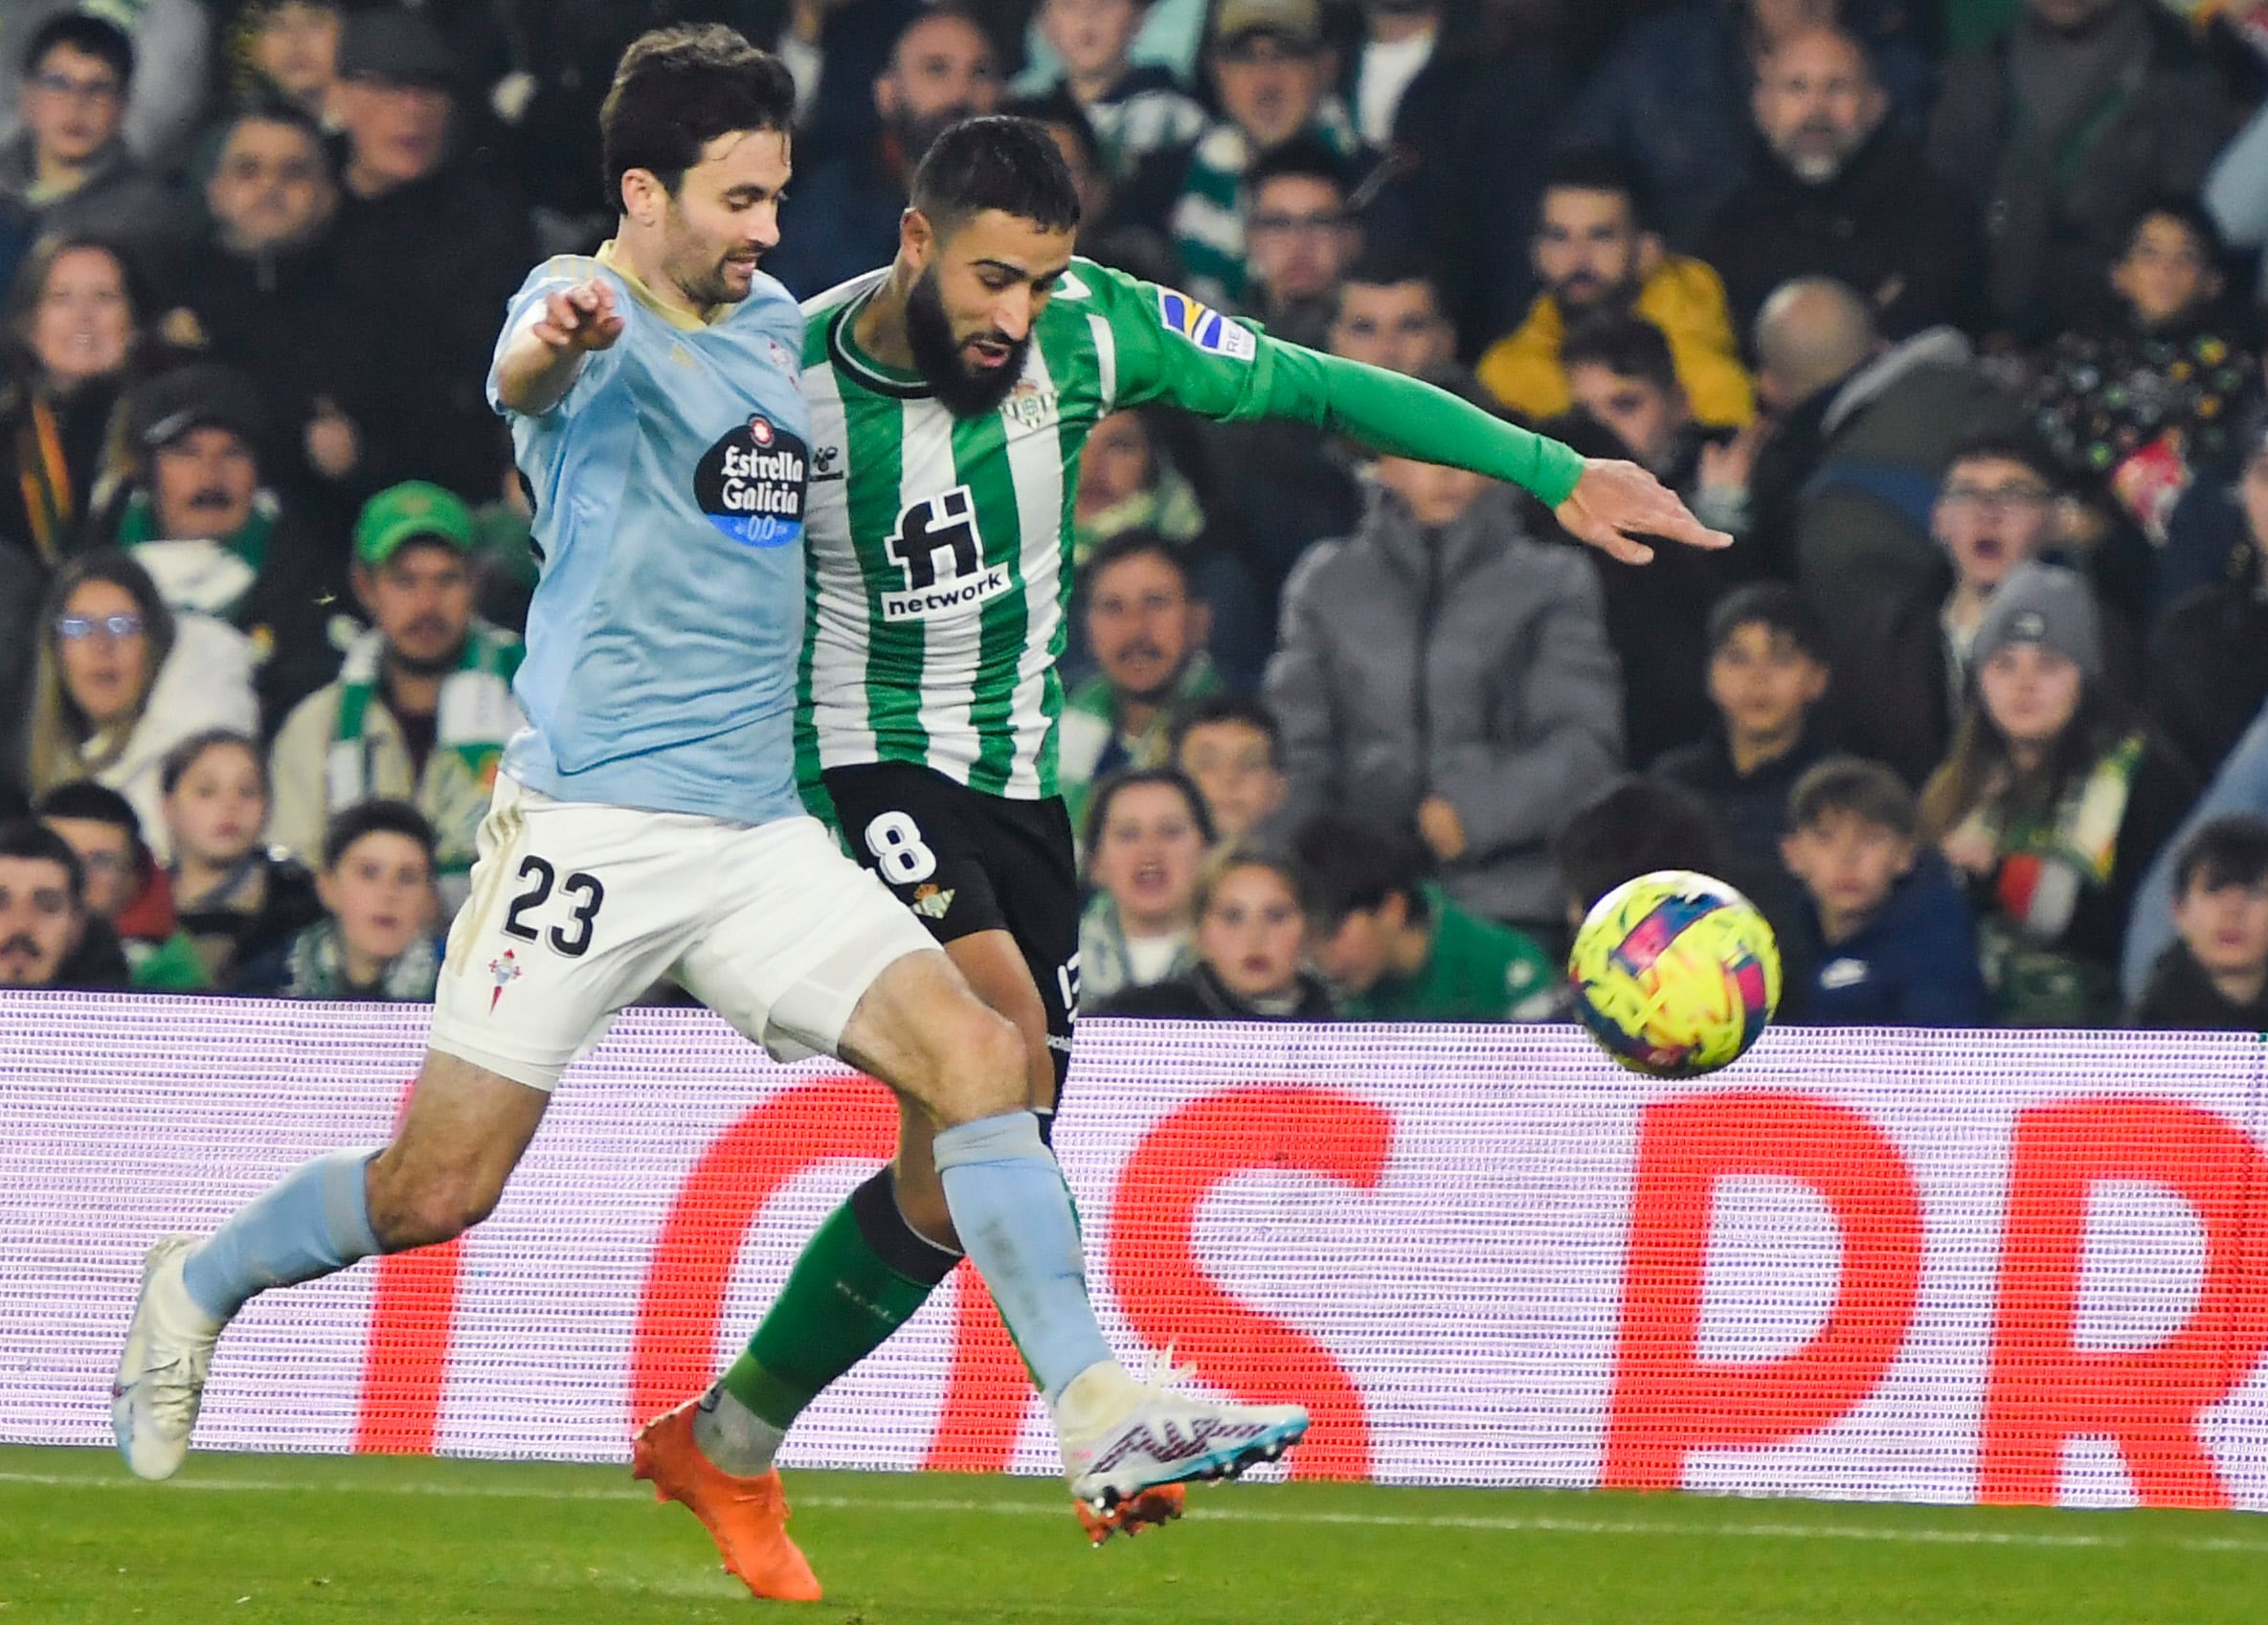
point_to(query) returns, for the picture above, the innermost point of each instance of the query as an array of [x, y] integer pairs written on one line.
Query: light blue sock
[[314, 1222], [1014, 1216]]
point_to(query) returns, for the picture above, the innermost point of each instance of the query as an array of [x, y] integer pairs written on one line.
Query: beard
[[937, 357]]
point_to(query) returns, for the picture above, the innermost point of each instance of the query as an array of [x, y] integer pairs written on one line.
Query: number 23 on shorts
[[900, 855], [580, 892]]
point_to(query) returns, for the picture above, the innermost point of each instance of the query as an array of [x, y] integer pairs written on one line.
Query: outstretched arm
[[538, 363]]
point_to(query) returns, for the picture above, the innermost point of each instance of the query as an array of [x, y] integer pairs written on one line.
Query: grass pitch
[[345, 1541]]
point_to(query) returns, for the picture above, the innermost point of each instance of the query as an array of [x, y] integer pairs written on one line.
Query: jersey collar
[[843, 350], [610, 255]]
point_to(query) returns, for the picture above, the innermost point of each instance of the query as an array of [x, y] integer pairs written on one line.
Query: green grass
[[340, 1541]]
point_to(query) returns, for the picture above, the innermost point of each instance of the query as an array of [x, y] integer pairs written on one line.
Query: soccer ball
[[1674, 974]]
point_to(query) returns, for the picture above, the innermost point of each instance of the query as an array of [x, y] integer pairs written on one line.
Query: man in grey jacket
[[1440, 671], [68, 170]]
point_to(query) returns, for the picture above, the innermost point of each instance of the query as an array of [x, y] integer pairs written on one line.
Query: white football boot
[[1121, 1436], [161, 1376]]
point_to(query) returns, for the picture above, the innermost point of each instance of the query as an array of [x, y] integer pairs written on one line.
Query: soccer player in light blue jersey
[[646, 824]]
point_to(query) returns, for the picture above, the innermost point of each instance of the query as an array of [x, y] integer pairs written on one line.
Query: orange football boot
[[748, 1517], [1131, 1517]]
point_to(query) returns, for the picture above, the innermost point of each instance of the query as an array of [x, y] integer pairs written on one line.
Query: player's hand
[[580, 317], [1442, 828], [1615, 502]]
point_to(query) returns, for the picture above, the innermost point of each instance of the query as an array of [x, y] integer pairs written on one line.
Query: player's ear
[[644, 197], [917, 239]]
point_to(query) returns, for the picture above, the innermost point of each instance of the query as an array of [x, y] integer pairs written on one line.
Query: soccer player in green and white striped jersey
[[951, 393]]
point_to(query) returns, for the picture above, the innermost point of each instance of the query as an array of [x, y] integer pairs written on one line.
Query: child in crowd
[[234, 898], [2214, 975], [1251, 935], [1137, 112], [1767, 672], [1147, 835], [1394, 947], [1892, 939], [2051, 804], [127, 893], [376, 941], [1232, 749]]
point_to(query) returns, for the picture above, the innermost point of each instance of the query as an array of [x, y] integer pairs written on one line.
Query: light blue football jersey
[[663, 637]]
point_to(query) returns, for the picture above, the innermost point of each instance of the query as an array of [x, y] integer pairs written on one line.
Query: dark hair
[[2231, 850], [678, 89], [1980, 753], [1597, 169], [378, 816], [2004, 445], [91, 36], [1004, 163], [96, 803], [29, 838], [178, 760], [2186, 211], [1635, 827], [1098, 803], [1308, 156], [1780, 607], [1060, 108], [273, 110], [1390, 264], [1630, 347], [1864, 789], [1352, 867], [1133, 544], [1227, 706]]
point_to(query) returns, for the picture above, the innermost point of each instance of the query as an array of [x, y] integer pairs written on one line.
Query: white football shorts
[[578, 909]]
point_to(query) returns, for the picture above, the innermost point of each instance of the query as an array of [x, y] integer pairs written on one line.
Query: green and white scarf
[[213, 578], [476, 718], [1208, 221], [316, 968]]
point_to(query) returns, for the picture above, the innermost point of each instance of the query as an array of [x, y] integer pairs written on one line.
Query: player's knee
[[982, 1071], [423, 1211]]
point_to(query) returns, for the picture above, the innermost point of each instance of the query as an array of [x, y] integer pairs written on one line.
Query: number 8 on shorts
[[899, 851]]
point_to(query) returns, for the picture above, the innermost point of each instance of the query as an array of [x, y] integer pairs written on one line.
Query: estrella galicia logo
[[750, 483]]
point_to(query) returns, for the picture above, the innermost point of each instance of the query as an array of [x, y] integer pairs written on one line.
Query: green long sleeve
[[1404, 418]]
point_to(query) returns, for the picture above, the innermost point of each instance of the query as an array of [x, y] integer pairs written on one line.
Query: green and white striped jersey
[[939, 547]]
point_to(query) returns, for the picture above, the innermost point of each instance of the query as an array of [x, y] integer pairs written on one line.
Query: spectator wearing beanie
[[2051, 804]]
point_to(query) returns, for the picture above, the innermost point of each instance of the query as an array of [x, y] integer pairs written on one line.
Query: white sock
[[735, 1438]]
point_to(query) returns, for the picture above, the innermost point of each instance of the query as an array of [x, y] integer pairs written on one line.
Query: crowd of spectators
[[1951, 313]]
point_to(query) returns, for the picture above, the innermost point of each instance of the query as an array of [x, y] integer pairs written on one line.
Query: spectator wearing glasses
[[47, 937], [122, 680], [1299, 236], [68, 169], [125, 889]]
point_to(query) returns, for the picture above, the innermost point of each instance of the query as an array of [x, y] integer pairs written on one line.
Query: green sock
[[841, 1302]]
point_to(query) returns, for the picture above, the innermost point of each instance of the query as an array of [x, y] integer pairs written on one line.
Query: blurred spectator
[[1137, 112], [1273, 74], [2240, 789], [232, 895], [2143, 409], [267, 294], [122, 680], [1252, 937], [73, 320], [2214, 975], [23, 584], [1146, 834], [430, 245], [215, 541], [2066, 125], [2051, 804], [1630, 826], [1112, 229], [1441, 672], [1629, 403], [124, 887], [1127, 481], [1147, 628], [1387, 311], [68, 170], [171, 42], [293, 53], [47, 938], [1232, 749], [836, 49], [1839, 191], [1906, 659], [423, 706], [843, 221], [1767, 673], [1394, 949], [2209, 653], [1594, 253], [1891, 939], [1861, 437], [376, 941], [1299, 236]]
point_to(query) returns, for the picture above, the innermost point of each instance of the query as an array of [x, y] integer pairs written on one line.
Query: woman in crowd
[[122, 680], [2051, 804], [71, 334], [1146, 834], [1251, 945], [234, 897]]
